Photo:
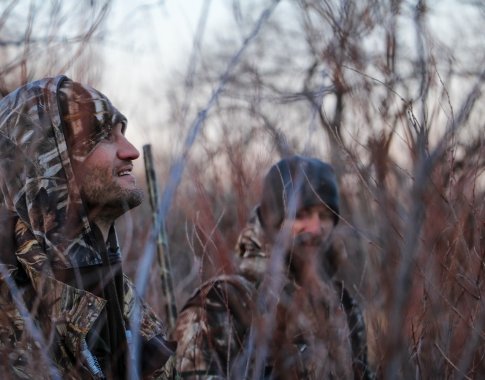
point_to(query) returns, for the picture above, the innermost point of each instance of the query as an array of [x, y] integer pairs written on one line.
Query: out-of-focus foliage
[[389, 93], [45, 38]]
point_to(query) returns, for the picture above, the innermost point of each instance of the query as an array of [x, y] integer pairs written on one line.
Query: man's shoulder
[[222, 292], [221, 307]]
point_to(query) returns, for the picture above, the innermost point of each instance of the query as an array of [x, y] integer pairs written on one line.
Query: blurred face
[[310, 232], [313, 224], [105, 177]]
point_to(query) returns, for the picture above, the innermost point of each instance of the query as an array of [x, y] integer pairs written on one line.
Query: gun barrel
[[162, 246]]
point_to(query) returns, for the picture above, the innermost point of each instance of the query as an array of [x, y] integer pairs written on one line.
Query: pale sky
[[150, 41]]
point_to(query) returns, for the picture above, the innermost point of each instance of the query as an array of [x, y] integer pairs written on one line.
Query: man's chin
[[133, 198], [116, 203], [303, 256]]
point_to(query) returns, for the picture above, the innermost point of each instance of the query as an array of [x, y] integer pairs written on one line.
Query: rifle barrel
[[162, 247]]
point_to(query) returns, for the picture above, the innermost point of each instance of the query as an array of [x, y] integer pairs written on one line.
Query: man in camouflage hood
[[282, 316], [65, 176]]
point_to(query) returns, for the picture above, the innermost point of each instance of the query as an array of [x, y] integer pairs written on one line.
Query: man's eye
[[108, 135], [123, 127], [302, 215], [324, 215]]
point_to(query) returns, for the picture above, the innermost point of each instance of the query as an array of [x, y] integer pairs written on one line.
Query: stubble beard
[[102, 193], [308, 252]]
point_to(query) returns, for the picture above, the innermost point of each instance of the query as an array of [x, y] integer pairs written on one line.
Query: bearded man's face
[[105, 177], [310, 232]]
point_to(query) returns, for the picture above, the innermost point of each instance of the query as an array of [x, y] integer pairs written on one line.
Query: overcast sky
[[151, 41]]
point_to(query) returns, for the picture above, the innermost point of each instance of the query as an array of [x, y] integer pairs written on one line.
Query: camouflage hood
[[37, 184], [53, 261]]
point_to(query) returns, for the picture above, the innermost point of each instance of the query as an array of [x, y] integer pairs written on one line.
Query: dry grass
[[406, 141]]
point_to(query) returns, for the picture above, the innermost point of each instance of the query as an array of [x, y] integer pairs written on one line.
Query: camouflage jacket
[[315, 335], [53, 311]]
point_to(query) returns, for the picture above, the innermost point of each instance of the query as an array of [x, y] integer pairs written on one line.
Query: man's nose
[[314, 225], [127, 151]]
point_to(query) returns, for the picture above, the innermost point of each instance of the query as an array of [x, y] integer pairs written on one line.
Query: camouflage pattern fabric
[[210, 340], [318, 333], [44, 321]]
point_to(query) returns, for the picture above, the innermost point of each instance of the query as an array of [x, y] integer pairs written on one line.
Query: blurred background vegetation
[[388, 91]]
